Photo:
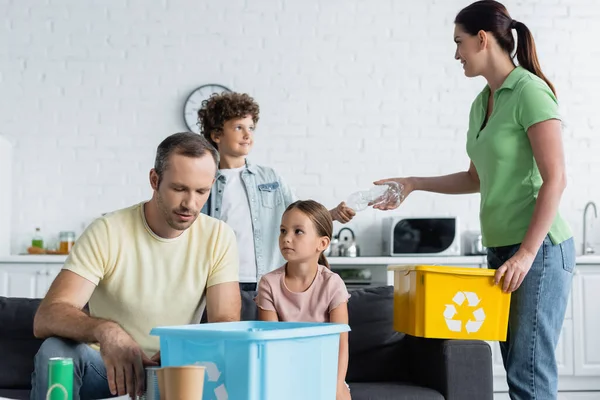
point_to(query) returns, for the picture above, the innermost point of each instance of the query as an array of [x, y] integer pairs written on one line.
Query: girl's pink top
[[325, 293]]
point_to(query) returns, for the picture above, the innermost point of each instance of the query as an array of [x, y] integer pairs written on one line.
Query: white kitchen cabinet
[[564, 350], [45, 280], [564, 353], [26, 280], [21, 282], [586, 310], [497, 365], [561, 396], [6, 194]]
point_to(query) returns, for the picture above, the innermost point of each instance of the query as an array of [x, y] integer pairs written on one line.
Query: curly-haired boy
[[250, 198]]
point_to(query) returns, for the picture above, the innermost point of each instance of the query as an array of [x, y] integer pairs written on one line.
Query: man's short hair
[[186, 144]]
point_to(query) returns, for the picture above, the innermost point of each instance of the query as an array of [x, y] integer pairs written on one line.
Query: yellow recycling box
[[449, 303]]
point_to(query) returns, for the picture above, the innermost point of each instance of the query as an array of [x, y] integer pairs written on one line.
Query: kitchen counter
[[589, 259], [370, 260], [33, 258], [375, 260]]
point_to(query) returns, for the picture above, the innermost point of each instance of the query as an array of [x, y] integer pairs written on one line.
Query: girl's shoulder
[[274, 275], [324, 271], [329, 277]]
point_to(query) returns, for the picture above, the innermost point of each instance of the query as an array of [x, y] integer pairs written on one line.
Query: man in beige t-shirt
[[153, 264]]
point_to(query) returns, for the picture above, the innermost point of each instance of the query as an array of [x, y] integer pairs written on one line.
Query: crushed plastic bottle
[[389, 193]]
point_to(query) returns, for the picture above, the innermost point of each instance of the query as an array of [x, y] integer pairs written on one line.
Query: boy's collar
[[249, 166]]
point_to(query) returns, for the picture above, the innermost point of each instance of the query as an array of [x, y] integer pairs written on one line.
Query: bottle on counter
[[67, 240], [37, 240]]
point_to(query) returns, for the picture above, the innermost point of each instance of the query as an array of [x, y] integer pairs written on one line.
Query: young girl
[[305, 289]]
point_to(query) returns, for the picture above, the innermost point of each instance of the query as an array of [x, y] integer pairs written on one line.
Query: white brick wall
[[350, 91]]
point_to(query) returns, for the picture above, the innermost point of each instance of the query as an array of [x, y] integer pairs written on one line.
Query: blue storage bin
[[258, 360]]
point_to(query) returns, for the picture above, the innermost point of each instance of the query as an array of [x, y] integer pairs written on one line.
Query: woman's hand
[[342, 393], [514, 270], [406, 186]]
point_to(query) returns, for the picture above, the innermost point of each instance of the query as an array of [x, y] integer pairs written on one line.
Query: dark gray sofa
[[384, 364]]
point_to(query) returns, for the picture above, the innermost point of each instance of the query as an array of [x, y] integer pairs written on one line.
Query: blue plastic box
[[258, 360]]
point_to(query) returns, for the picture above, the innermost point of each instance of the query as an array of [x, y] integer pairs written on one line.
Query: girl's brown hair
[[492, 16], [320, 217]]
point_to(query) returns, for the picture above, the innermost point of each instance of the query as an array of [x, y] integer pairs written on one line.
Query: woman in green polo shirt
[[517, 164]]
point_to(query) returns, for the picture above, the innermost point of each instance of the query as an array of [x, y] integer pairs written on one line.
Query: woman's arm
[[546, 143], [339, 315], [458, 183]]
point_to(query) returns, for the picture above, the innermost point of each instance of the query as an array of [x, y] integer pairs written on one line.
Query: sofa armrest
[[458, 369]]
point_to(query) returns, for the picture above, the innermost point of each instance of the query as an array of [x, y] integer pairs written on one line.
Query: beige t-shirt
[[144, 281], [325, 293]]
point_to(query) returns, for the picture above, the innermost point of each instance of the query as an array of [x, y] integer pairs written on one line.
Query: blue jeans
[[537, 311], [89, 378]]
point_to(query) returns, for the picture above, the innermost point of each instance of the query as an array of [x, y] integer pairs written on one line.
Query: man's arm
[[60, 314], [61, 311], [223, 298], [223, 302]]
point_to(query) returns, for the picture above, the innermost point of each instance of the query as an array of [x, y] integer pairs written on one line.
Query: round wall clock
[[194, 102]]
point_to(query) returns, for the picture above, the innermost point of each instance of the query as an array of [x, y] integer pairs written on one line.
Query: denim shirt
[[269, 196]]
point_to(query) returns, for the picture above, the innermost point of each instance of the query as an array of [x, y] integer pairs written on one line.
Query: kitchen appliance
[[472, 243], [355, 277], [347, 247], [333, 249], [5, 195], [410, 236]]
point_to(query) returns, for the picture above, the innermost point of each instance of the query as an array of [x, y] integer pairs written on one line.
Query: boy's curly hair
[[222, 107]]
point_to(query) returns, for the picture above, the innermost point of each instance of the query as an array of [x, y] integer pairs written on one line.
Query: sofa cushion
[[249, 307], [377, 353], [381, 364], [371, 314], [16, 317], [17, 342], [18, 394], [392, 391]]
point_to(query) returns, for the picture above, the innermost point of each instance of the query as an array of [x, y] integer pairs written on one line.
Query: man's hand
[[124, 360], [342, 213], [156, 358]]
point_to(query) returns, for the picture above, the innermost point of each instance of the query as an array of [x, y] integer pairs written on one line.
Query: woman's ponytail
[[527, 54]]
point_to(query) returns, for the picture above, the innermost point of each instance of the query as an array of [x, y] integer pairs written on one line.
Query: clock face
[[194, 102]]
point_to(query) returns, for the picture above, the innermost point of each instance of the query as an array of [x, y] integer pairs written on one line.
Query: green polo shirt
[[502, 154]]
